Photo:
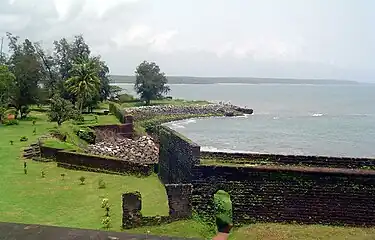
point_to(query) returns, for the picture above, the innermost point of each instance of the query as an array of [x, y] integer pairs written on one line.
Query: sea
[[326, 120]]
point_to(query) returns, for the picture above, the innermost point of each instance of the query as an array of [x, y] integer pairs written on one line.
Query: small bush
[[11, 142], [25, 167], [101, 183], [24, 139], [62, 176], [87, 134], [11, 122], [122, 98], [25, 110], [58, 134], [105, 202], [106, 222], [78, 118], [43, 174], [82, 179]]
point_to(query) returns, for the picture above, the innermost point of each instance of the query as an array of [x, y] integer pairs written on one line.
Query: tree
[[84, 82], [61, 110], [150, 82], [24, 64], [7, 79]]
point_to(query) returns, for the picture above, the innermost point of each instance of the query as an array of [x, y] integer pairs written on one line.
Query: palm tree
[[84, 81]]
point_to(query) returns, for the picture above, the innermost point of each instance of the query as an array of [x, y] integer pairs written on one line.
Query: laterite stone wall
[[177, 156], [313, 161], [288, 194]]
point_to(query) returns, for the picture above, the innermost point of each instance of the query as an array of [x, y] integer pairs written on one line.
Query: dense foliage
[[61, 110], [150, 83], [68, 77]]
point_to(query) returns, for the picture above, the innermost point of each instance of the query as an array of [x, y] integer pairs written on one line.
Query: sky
[[333, 39]]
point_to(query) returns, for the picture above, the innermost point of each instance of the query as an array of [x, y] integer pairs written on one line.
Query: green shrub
[[58, 134], [11, 122], [24, 139], [87, 135], [25, 110], [79, 119], [102, 184], [122, 98], [82, 179], [115, 109]]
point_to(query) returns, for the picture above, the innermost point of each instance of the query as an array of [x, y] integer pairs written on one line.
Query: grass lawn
[[55, 200]]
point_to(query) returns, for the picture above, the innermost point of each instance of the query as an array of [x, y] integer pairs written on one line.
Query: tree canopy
[[150, 82]]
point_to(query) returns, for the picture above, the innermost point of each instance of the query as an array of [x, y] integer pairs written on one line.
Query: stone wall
[[179, 200], [105, 163], [49, 152], [288, 194], [117, 130], [177, 156], [277, 159]]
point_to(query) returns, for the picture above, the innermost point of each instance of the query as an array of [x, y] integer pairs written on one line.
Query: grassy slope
[[51, 200]]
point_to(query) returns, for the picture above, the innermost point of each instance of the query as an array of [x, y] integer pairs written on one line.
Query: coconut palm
[[84, 81]]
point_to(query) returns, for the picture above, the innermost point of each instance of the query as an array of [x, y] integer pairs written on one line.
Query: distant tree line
[[69, 78]]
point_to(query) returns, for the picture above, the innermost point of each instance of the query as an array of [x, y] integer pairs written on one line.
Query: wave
[[317, 115], [242, 116], [224, 150], [275, 118], [188, 121], [176, 125]]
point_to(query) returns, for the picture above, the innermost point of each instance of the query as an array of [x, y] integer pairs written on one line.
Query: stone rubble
[[145, 112], [142, 150]]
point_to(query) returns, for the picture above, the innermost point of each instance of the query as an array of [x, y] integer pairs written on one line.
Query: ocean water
[[330, 120]]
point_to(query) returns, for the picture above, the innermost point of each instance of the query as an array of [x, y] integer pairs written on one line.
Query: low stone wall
[[116, 130], [179, 200], [177, 156], [278, 159], [288, 194], [49, 152], [105, 163]]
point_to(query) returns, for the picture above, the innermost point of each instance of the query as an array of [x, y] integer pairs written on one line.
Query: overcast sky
[[264, 38]]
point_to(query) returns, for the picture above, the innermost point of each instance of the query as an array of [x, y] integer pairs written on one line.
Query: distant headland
[[238, 80]]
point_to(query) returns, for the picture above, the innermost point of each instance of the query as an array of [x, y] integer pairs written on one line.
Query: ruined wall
[[179, 200], [105, 163], [177, 156], [278, 159], [49, 152], [288, 194], [117, 130]]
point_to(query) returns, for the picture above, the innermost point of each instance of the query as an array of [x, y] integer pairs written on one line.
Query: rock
[[142, 150], [146, 112]]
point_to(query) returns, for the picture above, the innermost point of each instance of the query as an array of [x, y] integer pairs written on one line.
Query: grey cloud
[[236, 38]]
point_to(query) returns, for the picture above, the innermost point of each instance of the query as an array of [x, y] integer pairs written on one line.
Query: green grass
[[54, 201], [56, 143]]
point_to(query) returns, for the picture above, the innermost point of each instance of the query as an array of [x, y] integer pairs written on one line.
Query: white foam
[[176, 125], [275, 118], [224, 150], [317, 115], [188, 121], [243, 116]]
